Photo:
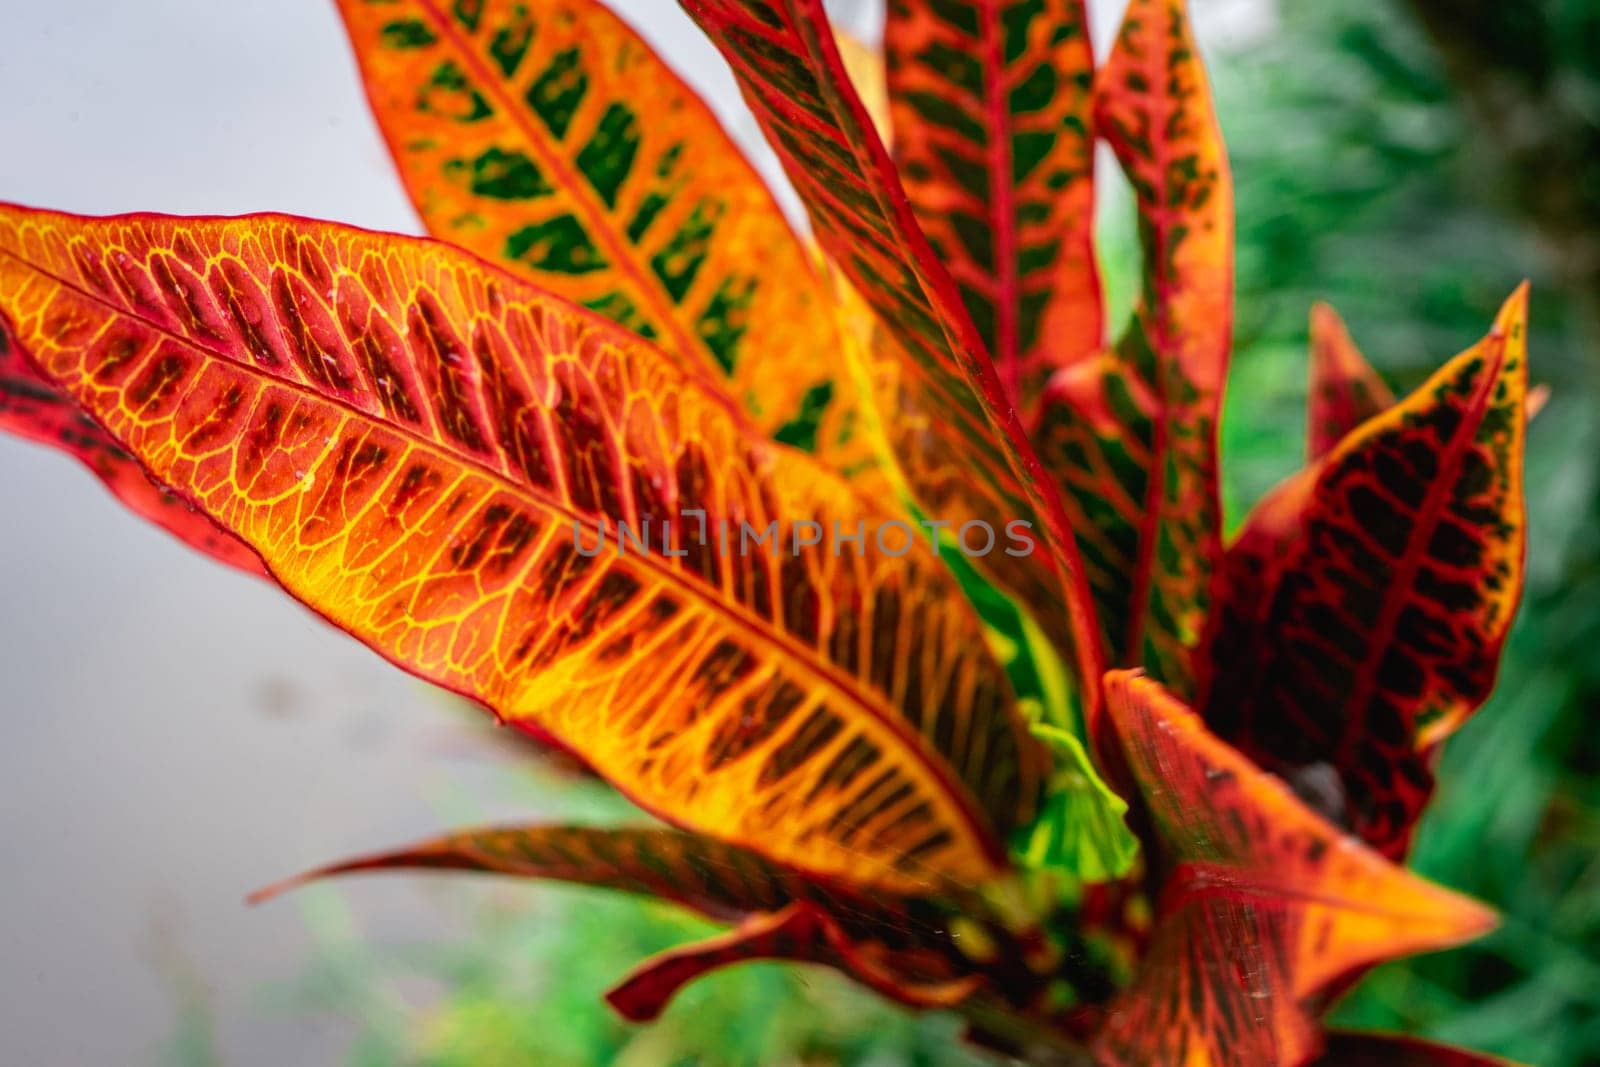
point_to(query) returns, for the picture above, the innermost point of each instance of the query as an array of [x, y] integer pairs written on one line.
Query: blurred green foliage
[[1362, 181]]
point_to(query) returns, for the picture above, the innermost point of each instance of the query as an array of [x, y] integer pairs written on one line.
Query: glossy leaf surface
[[955, 434], [550, 138], [1266, 902], [35, 410], [423, 450], [1131, 435], [1345, 390], [991, 103], [1369, 598]]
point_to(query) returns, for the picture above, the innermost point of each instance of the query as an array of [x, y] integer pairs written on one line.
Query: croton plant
[[1113, 788]]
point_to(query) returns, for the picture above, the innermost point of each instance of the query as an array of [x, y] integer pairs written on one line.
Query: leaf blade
[[517, 419], [1345, 390], [556, 143], [32, 408], [1132, 436], [993, 134], [1268, 902], [954, 413], [1378, 628]]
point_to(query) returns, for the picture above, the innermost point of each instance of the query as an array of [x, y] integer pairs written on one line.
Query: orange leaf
[[423, 449], [1266, 902], [551, 139]]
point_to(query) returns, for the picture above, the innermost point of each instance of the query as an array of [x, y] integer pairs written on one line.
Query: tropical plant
[[1111, 789]]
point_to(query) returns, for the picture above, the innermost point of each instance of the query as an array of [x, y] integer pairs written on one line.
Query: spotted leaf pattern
[[34, 409], [428, 452], [1265, 905], [992, 135], [1345, 390], [550, 138], [1368, 600], [956, 436], [1131, 435]]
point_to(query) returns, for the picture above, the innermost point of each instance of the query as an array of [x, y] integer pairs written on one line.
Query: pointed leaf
[[716, 879], [991, 107], [1267, 901], [1345, 391], [1381, 599], [424, 449], [955, 434], [551, 139], [1132, 436], [800, 933], [35, 410]]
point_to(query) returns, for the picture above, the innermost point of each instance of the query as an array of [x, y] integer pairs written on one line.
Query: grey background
[[175, 734]]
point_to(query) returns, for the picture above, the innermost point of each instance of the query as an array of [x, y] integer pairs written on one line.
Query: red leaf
[[1369, 597], [1345, 391], [993, 135], [1264, 904], [802, 933]]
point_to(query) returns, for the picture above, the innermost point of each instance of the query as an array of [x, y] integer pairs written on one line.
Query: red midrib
[[1428, 517]]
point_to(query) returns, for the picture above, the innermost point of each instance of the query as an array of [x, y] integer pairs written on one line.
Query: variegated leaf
[[35, 410], [1132, 435], [424, 449], [550, 138], [1369, 597], [955, 433], [1266, 903], [992, 134]]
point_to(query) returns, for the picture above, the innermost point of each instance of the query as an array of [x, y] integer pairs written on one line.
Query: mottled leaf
[[551, 139], [955, 433], [424, 449], [1131, 435], [1266, 902], [1368, 599], [35, 410], [992, 135], [1345, 391]]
